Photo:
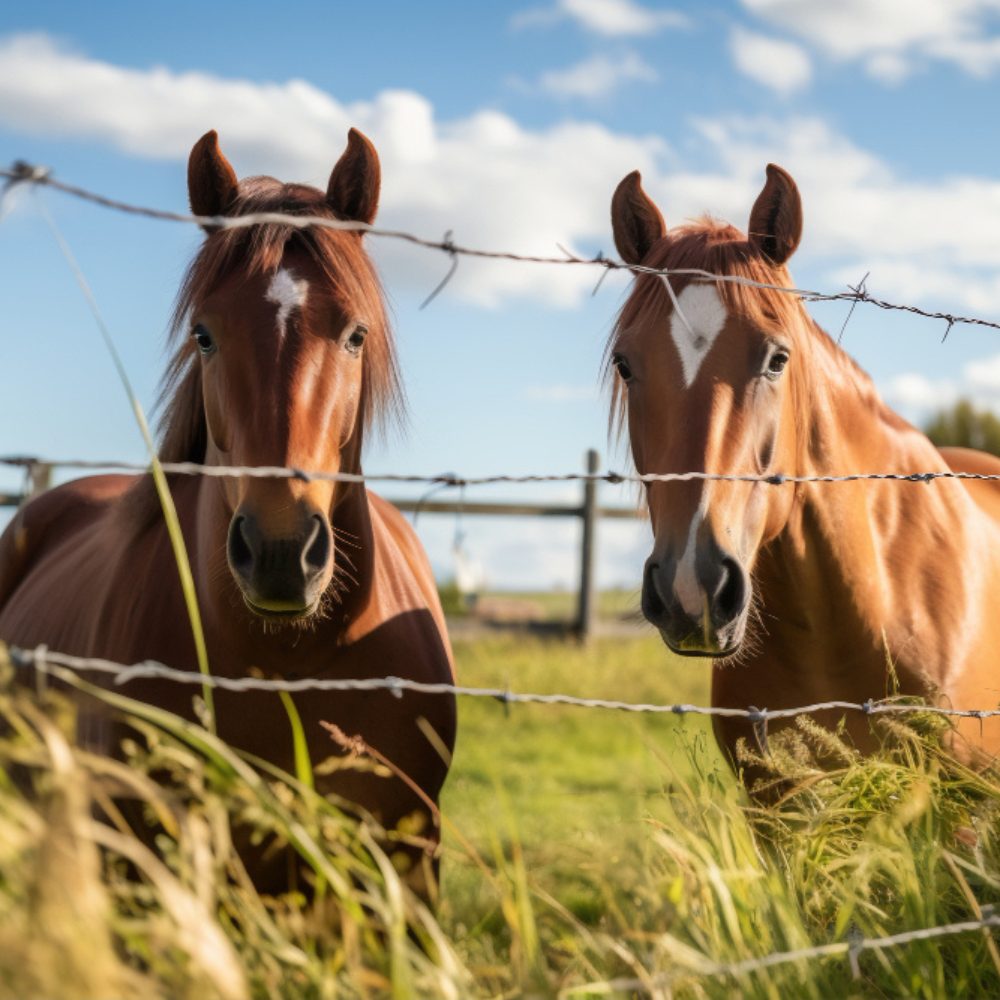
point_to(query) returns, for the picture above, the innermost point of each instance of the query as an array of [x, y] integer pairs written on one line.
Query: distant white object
[[470, 577]]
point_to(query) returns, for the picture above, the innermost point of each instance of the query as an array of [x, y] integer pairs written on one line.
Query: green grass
[[573, 786], [615, 604], [583, 849]]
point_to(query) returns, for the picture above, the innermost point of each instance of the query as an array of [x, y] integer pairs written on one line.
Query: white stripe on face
[[287, 294], [694, 326], [687, 586]]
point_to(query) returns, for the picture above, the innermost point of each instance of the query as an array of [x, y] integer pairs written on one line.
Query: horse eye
[[203, 339], [621, 366], [357, 338], [776, 364]]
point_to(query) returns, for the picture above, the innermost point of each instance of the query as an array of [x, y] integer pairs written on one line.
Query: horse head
[[705, 377], [285, 355]]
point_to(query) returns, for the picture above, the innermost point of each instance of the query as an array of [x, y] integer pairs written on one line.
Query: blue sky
[[508, 124]]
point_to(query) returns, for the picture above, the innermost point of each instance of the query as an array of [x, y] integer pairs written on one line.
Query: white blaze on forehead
[[697, 319], [287, 294]]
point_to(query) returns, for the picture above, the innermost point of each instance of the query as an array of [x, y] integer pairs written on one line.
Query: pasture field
[[587, 853]]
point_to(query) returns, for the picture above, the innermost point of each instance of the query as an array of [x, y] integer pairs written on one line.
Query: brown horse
[[283, 356], [841, 583]]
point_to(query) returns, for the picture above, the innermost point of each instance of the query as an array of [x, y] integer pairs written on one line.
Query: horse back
[[52, 526], [985, 494]]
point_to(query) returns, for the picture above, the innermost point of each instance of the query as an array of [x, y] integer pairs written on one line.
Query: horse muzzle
[[701, 609], [281, 576]]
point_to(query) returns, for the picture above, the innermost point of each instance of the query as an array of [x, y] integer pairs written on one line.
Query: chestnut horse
[[841, 583], [283, 356]]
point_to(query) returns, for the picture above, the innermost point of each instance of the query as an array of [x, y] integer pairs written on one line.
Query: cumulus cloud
[[918, 396], [892, 37], [598, 76], [610, 18], [923, 241], [494, 183], [782, 66], [500, 185]]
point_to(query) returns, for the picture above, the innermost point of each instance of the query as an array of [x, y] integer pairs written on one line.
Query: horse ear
[[776, 219], [212, 183], [635, 220], [356, 180]]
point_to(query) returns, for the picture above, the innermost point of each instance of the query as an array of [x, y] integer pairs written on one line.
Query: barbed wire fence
[[55, 664], [49, 662], [43, 659], [28, 462], [33, 174]]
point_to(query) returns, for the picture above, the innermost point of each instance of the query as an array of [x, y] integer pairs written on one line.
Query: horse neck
[[852, 556], [845, 426], [352, 525]]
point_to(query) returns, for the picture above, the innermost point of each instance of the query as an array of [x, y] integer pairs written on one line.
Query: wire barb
[[449, 247], [862, 293]]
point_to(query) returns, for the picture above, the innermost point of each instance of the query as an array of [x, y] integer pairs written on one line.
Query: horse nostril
[[317, 550], [239, 551], [730, 594], [652, 604]]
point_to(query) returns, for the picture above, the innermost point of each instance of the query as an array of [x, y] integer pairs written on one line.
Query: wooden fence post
[[588, 513], [39, 479]]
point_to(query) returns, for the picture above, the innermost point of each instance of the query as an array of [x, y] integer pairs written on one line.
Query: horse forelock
[[260, 249]]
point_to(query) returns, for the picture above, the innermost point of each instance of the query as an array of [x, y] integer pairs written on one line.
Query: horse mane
[[710, 245], [259, 249]]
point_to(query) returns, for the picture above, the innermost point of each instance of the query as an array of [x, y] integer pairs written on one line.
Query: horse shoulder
[[403, 580], [50, 521], [401, 537], [985, 494]]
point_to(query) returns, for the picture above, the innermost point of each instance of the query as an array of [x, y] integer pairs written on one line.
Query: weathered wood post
[[39, 479], [588, 513]]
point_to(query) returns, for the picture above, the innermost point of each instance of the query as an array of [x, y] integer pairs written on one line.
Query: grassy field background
[[573, 787]]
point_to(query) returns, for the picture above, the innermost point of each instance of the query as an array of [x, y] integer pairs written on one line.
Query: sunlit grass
[[585, 852]]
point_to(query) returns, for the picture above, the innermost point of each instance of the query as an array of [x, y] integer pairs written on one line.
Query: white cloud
[[924, 241], [494, 183], [499, 185], [918, 396], [610, 18], [984, 375], [891, 37], [927, 278], [889, 67], [597, 76], [782, 66]]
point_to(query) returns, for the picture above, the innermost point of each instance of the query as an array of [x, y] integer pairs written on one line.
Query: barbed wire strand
[[43, 659], [852, 949], [454, 479], [26, 173]]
